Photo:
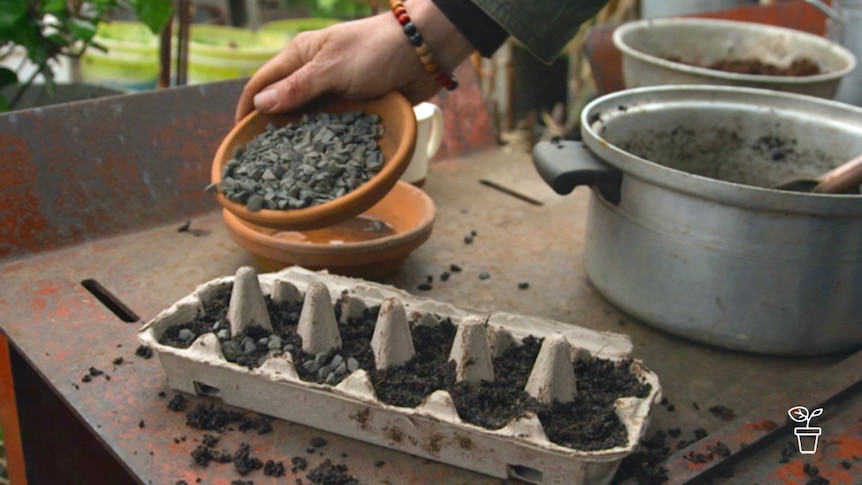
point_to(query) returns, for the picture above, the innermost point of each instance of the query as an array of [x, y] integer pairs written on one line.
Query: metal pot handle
[[566, 164]]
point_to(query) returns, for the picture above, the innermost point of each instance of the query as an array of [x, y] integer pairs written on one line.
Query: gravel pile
[[330, 370], [320, 158], [233, 349]]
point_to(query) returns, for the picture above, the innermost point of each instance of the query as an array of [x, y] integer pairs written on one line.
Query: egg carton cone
[[350, 407]]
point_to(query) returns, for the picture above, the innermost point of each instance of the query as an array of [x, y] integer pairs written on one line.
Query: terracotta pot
[[397, 144], [406, 209]]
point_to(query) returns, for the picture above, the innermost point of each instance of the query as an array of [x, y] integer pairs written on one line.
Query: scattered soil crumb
[[722, 412], [696, 457], [328, 473], [212, 418], [814, 472], [719, 449], [210, 440], [787, 452], [318, 442], [117, 361], [646, 465], [299, 464], [273, 469], [202, 455], [244, 462], [811, 470], [714, 451], [144, 352], [177, 403]]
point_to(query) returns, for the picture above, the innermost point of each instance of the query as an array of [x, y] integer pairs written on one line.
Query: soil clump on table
[[799, 67], [587, 423]]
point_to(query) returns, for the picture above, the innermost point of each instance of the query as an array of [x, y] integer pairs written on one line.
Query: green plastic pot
[[219, 53], [291, 27], [131, 61]]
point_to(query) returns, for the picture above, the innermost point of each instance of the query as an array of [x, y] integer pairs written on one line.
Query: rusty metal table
[[113, 217]]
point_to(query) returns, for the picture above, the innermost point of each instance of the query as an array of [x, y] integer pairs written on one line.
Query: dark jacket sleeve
[[484, 33], [542, 26]]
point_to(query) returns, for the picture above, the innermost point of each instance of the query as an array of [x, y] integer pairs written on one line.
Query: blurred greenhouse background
[[230, 39]]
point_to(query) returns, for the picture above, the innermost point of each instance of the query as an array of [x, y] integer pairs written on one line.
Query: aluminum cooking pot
[[683, 232]]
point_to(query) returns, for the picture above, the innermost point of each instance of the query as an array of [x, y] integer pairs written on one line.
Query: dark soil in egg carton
[[587, 423]]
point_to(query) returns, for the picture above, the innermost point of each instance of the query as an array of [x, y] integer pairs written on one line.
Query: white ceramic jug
[[429, 134]]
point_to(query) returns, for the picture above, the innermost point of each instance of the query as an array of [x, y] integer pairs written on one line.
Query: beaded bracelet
[[446, 80]]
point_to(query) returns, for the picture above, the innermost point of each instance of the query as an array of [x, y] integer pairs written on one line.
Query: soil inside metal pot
[[724, 153], [587, 423], [802, 66]]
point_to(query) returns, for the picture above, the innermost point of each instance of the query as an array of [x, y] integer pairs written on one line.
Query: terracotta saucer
[[350, 248], [397, 144]]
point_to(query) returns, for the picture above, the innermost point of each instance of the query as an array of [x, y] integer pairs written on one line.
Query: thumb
[[302, 86]]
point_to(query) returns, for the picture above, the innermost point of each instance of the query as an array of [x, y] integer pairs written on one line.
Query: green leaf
[[27, 35], [53, 6], [4, 104], [82, 29], [154, 13], [7, 77], [11, 12], [58, 40], [104, 5]]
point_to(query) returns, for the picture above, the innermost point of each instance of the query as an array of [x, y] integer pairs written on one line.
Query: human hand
[[357, 60]]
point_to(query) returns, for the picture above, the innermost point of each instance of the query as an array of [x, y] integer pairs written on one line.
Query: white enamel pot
[[683, 232]]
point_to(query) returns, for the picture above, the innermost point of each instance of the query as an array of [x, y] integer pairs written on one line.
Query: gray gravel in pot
[[322, 157]]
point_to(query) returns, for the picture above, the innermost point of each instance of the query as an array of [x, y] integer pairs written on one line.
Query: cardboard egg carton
[[350, 408]]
